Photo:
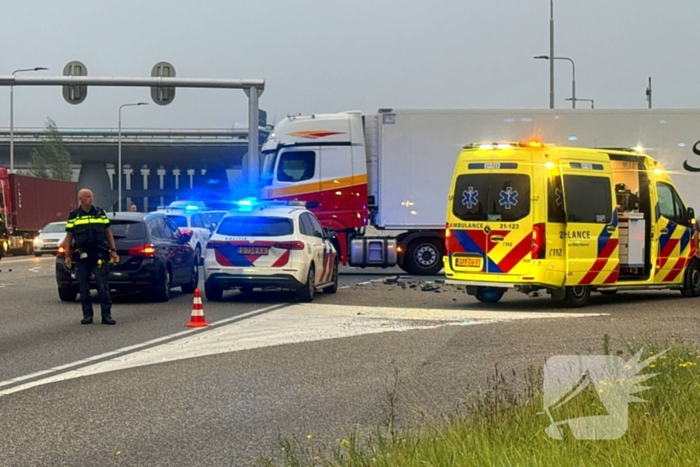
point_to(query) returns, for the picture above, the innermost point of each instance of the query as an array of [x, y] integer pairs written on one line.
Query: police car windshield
[[180, 221], [255, 226], [129, 230], [492, 197], [57, 227]]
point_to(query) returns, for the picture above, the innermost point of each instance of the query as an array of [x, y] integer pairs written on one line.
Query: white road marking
[[126, 349], [36, 269], [13, 261], [288, 324]]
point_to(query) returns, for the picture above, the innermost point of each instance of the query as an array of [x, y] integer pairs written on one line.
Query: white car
[[271, 245], [50, 238], [193, 220]]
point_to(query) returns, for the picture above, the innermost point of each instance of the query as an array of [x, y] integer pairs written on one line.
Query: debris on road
[[391, 280], [429, 287]]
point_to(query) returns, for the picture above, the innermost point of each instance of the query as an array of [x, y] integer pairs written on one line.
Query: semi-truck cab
[[331, 162]]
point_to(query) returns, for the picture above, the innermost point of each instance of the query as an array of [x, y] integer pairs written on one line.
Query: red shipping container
[[38, 201]]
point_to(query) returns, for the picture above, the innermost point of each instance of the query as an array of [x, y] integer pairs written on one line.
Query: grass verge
[[503, 427]]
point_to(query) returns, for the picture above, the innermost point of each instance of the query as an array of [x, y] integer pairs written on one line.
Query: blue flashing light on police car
[[248, 204]]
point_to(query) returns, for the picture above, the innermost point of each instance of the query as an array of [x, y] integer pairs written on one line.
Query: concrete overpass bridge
[[159, 165]]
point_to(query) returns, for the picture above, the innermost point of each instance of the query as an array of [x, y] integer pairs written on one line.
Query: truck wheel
[[489, 294], [213, 292], [67, 294], [691, 280], [424, 257], [577, 296], [28, 248]]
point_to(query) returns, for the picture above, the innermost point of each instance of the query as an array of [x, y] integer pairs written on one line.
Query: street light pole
[[12, 115], [551, 54], [573, 76], [119, 144]]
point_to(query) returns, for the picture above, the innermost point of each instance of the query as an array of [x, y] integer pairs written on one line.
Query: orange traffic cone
[[197, 318]]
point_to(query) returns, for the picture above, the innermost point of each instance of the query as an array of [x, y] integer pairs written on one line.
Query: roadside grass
[[501, 426]]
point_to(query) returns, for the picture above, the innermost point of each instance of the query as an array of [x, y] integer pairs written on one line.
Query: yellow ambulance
[[567, 221]]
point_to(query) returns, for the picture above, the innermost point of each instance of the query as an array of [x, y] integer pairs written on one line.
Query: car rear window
[[255, 226], [128, 230], [492, 197], [180, 221], [215, 216], [59, 227]]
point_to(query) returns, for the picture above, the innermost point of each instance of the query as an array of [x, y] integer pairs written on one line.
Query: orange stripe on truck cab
[[313, 187]]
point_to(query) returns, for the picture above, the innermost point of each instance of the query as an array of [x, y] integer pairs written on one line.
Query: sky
[[320, 56]]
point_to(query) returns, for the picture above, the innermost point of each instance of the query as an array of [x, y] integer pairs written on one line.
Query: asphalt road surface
[[149, 391]]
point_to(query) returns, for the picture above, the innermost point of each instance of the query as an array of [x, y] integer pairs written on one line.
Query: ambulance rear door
[[493, 200]]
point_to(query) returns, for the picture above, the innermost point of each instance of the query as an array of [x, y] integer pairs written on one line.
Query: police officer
[[88, 228]]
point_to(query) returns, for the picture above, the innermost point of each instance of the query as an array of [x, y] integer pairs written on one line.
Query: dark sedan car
[[154, 256]]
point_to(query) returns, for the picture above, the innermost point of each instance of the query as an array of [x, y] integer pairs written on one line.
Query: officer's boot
[[108, 320]]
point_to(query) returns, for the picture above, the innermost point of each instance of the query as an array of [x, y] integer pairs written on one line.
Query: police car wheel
[[489, 294], [306, 292], [577, 296], [198, 256], [331, 289], [691, 281], [213, 292]]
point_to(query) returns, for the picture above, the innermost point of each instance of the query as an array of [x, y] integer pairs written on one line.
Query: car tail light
[[289, 245], [146, 251], [539, 241], [61, 252]]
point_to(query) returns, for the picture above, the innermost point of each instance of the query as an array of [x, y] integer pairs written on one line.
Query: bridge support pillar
[[94, 176]]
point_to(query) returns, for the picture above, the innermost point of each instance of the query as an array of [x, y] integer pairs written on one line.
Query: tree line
[[52, 159]]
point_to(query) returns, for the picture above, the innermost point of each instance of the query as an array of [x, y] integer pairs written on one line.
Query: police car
[[189, 218], [270, 245]]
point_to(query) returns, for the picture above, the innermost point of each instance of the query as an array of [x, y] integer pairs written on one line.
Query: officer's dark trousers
[[85, 267]]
